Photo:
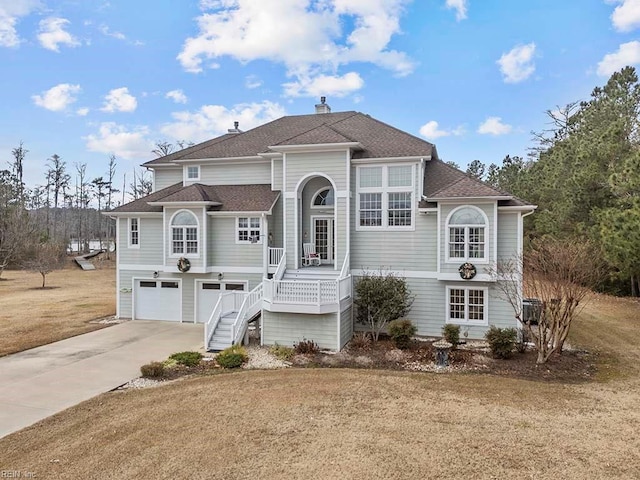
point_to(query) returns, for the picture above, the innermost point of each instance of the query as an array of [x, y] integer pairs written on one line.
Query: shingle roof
[[378, 139], [231, 198], [444, 181]]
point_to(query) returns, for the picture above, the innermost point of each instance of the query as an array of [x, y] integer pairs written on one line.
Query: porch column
[[265, 246]]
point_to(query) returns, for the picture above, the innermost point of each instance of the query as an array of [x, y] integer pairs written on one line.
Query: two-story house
[[282, 219]]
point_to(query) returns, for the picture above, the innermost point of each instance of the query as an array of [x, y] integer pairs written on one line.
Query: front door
[[323, 238]]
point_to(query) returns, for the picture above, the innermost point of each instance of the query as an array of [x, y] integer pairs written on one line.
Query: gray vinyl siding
[[223, 249], [277, 174], [188, 282], [196, 260], [165, 177], [429, 309], [400, 251], [346, 326], [241, 174], [331, 164], [507, 235], [445, 210], [290, 328], [150, 248]]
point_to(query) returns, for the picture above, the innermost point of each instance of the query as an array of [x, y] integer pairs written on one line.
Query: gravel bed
[[261, 359], [140, 382]]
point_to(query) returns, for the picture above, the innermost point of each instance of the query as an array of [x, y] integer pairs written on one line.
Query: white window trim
[[385, 190], [456, 321], [184, 241], [132, 245], [321, 207], [237, 230], [466, 258], [186, 173]]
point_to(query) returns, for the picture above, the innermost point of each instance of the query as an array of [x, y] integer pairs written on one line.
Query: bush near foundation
[[188, 359], [501, 341], [451, 334], [401, 331], [152, 370], [232, 357]]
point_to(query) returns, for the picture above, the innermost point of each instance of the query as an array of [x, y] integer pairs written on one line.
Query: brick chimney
[[322, 107]]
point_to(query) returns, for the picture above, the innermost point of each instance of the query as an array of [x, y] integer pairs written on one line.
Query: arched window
[[324, 198], [184, 234], [467, 234]]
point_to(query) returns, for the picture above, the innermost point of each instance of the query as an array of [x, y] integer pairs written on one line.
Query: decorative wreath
[[467, 271], [184, 264]]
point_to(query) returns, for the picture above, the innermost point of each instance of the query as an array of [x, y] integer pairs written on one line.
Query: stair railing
[[247, 310]]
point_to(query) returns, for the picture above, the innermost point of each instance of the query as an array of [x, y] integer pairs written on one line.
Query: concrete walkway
[[42, 381]]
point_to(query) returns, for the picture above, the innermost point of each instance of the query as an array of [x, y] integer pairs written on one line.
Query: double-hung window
[[467, 305], [248, 230], [134, 233], [184, 234], [193, 172], [385, 197], [467, 235]]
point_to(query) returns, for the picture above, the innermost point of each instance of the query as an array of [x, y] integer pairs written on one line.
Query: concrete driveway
[[42, 381]]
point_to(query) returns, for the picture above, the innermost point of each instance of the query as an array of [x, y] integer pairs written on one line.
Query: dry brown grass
[[334, 423], [31, 316]]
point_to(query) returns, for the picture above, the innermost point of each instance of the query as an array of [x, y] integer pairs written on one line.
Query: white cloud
[[627, 54], [332, 85], [432, 131], [177, 96], [252, 81], [117, 139], [10, 12], [82, 112], [517, 64], [494, 126], [119, 100], [310, 37], [57, 98], [212, 120], [626, 15], [52, 34], [460, 6], [105, 30]]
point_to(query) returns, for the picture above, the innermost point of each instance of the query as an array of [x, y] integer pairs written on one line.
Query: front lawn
[[31, 316]]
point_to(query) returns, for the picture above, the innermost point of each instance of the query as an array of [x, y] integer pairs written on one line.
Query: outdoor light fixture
[[220, 276]]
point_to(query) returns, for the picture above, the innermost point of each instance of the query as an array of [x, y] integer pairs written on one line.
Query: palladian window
[[184, 234], [467, 234]]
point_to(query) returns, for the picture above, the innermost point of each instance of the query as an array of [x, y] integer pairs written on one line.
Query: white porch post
[[265, 245]]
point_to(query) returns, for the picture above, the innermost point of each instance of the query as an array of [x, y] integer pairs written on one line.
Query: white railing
[[227, 303], [281, 267], [305, 292], [344, 271], [250, 307], [344, 287], [275, 255]]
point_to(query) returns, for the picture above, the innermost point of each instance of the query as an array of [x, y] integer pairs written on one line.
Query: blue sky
[[84, 79]]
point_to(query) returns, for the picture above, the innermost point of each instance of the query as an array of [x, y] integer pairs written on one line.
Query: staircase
[[311, 274], [230, 318]]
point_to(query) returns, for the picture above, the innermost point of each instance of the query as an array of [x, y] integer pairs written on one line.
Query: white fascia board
[[467, 199], [151, 167], [520, 208], [316, 147], [185, 204], [222, 160], [239, 214], [270, 155], [428, 210], [356, 161], [133, 214]]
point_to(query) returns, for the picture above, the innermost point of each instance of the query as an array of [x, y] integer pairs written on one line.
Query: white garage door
[[157, 300], [208, 295]]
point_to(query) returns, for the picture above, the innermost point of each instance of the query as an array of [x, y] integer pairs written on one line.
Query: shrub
[[188, 359], [361, 341], [501, 341], [170, 363], [379, 298], [306, 346], [282, 352], [232, 357], [401, 331], [451, 334], [152, 370]]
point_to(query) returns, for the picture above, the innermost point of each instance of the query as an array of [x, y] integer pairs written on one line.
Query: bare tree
[[17, 229], [110, 201], [164, 148], [45, 258], [560, 274], [19, 153], [58, 180], [142, 184]]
